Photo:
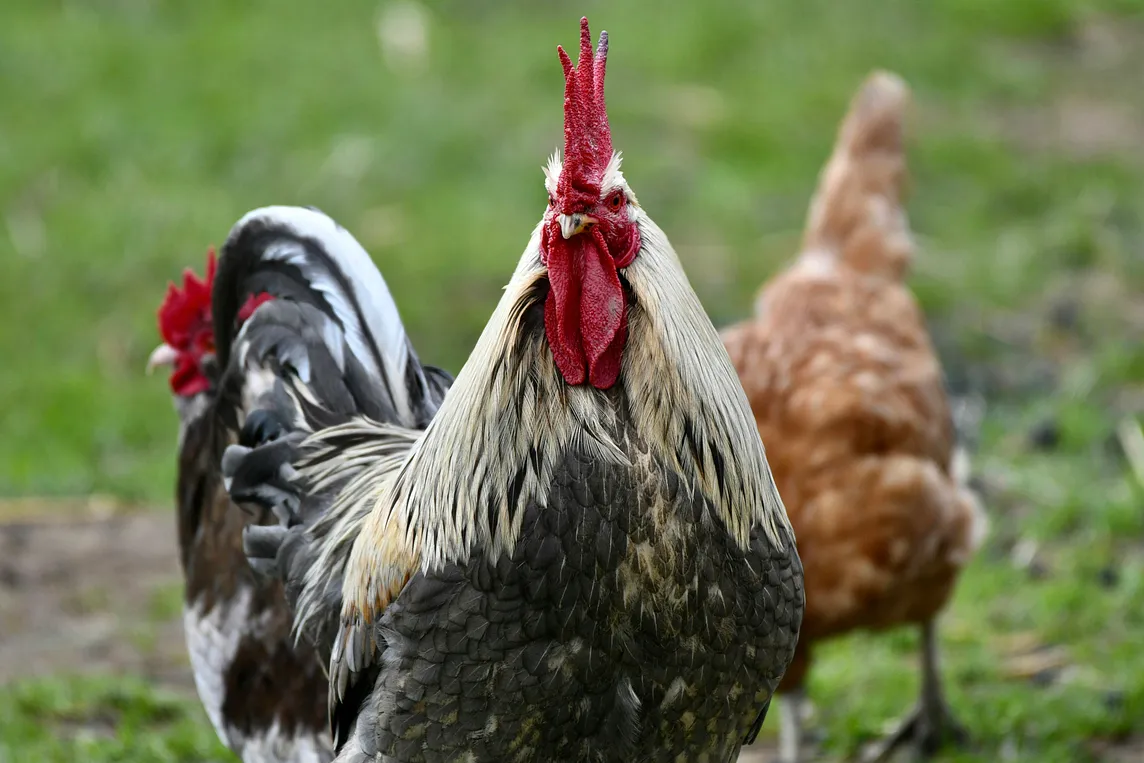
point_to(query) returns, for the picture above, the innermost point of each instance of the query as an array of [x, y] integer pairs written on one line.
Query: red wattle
[[585, 316], [561, 310], [603, 320]]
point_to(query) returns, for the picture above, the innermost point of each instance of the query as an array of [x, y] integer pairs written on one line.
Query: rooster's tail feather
[[333, 319]]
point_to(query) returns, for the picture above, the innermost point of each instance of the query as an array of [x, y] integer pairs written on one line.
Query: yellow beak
[[570, 225]]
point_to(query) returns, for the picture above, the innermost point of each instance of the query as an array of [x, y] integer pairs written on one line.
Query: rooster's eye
[[616, 200], [551, 202]]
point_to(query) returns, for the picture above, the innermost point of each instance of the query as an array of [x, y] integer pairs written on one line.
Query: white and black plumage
[[584, 557], [294, 297]]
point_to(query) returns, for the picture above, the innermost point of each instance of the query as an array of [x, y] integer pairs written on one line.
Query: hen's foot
[[924, 731]]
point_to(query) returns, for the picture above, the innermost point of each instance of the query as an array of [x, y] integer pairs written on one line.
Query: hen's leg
[[792, 707], [931, 724]]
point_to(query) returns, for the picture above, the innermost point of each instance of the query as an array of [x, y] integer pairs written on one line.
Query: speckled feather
[[264, 698], [641, 482], [625, 623]]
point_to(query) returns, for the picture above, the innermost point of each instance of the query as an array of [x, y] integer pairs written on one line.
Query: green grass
[[135, 132], [103, 719]]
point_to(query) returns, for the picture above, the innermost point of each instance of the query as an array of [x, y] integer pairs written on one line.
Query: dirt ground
[[86, 588]]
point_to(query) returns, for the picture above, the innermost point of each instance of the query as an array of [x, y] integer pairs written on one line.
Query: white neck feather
[[687, 399], [506, 422]]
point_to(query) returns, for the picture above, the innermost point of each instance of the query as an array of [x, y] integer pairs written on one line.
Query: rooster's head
[[188, 333], [589, 233]]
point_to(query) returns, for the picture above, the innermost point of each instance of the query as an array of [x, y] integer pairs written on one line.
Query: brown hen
[[849, 398]]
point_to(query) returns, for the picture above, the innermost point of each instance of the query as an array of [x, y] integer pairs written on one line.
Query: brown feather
[[849, 398]]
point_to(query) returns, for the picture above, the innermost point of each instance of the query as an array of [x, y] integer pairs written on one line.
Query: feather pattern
[[316, 331], [305, 256], [482, 459]]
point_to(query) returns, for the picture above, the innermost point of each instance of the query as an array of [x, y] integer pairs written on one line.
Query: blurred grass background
[[135, 132]]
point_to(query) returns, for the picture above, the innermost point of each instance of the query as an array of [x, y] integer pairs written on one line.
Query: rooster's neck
[[686, 398], [508, 420]]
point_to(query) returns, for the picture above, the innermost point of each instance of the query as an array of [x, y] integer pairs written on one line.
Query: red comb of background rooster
[[185, 309], [188, 331], [587, 136], [185, 325]]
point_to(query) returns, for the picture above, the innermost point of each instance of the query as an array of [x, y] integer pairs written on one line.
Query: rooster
[[265, 698], [584, 556], [843, 379]]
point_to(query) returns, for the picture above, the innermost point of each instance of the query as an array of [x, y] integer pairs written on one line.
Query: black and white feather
[[328, 347], [333, 307]]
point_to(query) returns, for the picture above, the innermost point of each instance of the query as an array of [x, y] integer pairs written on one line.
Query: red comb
[[184, 309], [587, 136]]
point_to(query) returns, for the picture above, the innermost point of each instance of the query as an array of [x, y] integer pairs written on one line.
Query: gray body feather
[[625, 625]]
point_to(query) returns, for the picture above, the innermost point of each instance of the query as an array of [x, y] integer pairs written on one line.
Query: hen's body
[[623, 615], [846, 387], [839, 369]]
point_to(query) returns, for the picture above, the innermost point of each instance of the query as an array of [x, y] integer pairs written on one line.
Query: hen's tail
[[856, 216], [326, 348]]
